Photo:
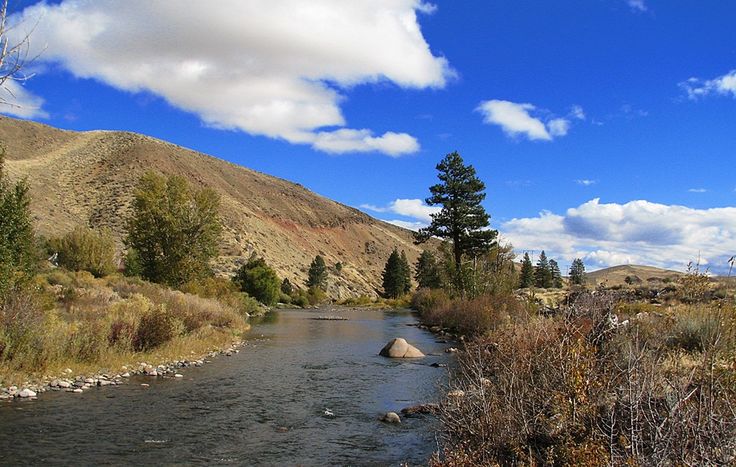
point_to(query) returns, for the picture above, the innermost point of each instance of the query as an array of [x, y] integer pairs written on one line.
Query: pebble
[[26, 393], [77, 390], [178, 375]]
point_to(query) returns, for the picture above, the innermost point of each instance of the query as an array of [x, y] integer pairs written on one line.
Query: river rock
[[26, 393], [64, 384], [391, 417], [78, 390], [423, 409], [399, 348]]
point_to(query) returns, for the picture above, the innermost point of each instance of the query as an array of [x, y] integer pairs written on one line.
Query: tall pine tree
[[394, 276], [406, 272], [577, 272], [542, 273], [554, 269], [527, 273], [462, 219], [317, 275]]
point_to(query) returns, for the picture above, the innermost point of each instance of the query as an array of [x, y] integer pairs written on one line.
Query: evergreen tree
[[174, 230], [577, 272], [462, 219], [286, 286], [542, 273], [406, 272], [317, 276], [394, 276], [427, 272], [258, 280], [527, 273], [17, 251], [554, 269]]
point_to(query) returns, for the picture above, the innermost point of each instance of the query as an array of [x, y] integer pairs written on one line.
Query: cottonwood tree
[[174, 230], [462, 220]]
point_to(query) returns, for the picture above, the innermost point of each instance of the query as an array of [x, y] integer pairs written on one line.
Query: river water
[[263, 406]]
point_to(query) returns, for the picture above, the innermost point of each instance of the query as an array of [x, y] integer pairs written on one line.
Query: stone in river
[[391, 417], [399, 348], [25, 393]]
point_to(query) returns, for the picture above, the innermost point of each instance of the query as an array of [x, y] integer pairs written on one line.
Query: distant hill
[[617, 275], [88, 178]]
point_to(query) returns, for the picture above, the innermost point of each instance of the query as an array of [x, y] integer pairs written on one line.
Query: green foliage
[[258, 280], [542, 273], [315, 296], [577, 272], [85, 249], [174, 229], [462, 220], [427, 271], [554, 269], [17, 250], [132, 263], [395, 276], [405, 272], [338, 267], [527, 273], [317, 276], [286, 287]]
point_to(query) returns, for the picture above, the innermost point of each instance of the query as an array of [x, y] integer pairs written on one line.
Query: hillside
[[88, 178], [617, 275]]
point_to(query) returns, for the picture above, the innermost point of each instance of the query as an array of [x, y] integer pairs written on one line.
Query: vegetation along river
[[263, 406]]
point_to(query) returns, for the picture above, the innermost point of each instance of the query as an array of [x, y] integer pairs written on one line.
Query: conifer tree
[[542, 273], [527, 273], [462, 219], [427, 272], [577, 272], [406, 272], [554, 269], [394, 276], [317, 275], [286, 286]]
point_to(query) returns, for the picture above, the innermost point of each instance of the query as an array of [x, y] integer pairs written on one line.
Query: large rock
[[391, 417], [399, 348]]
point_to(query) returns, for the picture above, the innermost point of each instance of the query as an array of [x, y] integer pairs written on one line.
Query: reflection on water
[[268, 405]]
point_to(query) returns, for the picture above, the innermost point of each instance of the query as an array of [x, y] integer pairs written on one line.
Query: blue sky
[[603, 129]]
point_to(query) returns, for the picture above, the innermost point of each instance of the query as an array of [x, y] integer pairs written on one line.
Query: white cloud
[[637, 5], [268, 67], [697, 190], [637, 232], [17, 101], [516, 119], [414, 209], [586, 182], [722, 85], [577, 112]]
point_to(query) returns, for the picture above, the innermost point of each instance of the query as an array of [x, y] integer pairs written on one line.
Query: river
[[263, 406]]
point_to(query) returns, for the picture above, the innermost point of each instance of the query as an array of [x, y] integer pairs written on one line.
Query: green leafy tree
[[258, 280], [174, 229], [577, 272], [394, 276], [462, 219], [286, 286], [85, 249], [317, 275], [17, 249], [427, 272], [527, 273], [554, 269], [542, 273]]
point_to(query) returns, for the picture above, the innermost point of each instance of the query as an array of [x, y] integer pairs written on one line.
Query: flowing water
[[263, 406]]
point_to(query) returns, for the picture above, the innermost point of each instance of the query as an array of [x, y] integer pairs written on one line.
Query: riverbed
[[301, 391]]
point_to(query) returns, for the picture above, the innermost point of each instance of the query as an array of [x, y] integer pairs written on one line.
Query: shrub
[[425, 300], [258, 280], [84, 249], [315, 296], [156, 327], [300, 300]]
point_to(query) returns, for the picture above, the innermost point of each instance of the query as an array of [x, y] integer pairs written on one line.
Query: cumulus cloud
[[724, 85], [516, 119], [17, 101], [637, 232], [276, 68], [420, 214]]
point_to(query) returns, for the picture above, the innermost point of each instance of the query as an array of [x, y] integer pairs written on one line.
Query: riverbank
[[73, 327]]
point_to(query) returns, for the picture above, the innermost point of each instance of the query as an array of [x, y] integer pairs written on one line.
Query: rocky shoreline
[[80, 383]]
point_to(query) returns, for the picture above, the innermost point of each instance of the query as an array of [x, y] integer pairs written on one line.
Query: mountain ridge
[[88, 178]]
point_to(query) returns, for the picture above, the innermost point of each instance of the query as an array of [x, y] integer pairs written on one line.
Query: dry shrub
[[85, 249], [584, 388], [21, 329], [155, 328]]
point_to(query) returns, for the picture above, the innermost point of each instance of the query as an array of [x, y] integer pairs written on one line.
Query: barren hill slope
[[617, 275], [88, 178]]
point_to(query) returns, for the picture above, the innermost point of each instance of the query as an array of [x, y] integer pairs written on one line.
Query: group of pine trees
[[546, 274]]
